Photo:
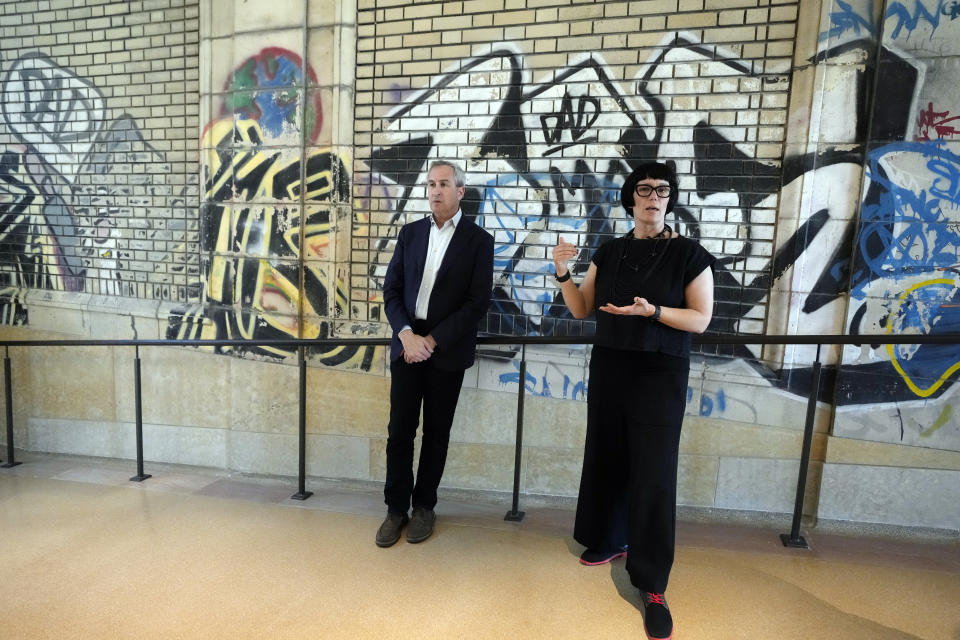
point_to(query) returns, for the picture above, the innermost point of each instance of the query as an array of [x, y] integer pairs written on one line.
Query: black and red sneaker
[[657, 621], [592, 557]]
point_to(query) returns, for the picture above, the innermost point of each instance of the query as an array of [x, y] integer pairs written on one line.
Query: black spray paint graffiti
[[50, 108], [520, 148], [581, 197], [56, 115], [68, 219]]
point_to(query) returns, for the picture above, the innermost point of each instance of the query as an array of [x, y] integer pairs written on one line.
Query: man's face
[[443, 193]]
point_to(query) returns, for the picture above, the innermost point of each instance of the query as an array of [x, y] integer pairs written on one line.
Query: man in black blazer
[[436, 291]]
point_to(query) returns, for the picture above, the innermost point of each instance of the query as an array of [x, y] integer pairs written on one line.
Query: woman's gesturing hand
[[640, 307], [563, 253]]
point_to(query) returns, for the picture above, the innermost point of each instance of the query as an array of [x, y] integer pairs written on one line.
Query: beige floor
[[84, 553]]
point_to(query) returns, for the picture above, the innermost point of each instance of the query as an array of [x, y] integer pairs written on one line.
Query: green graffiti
[[245, 77], [942, 420]]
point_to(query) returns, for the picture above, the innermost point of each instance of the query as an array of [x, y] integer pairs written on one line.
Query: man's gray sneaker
[[389, 531], [421, 525]]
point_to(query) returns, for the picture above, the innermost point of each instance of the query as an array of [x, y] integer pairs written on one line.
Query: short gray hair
[[459, 177]]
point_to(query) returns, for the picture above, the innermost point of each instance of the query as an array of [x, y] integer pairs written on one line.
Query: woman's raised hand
[[563, 253]]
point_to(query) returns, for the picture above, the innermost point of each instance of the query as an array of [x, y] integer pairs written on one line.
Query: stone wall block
[[891, 495], [72, 383], [332, 456], [264, 396], [550, 471], [263, 453], [178, 387], [58, 311], [205, 447], [82, 437], [262, 15], [479, 466], [697, 480], [482, 418], [345, 403], [764, 484]]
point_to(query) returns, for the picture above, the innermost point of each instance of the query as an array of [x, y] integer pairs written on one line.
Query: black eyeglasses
[[644, 190]]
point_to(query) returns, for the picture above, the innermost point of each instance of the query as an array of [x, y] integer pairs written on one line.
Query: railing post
[[794, 539], [8, 387], [302, 493], [141, 476], [515, 515]]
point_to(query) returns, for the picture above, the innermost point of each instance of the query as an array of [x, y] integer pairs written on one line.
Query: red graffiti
[[938, 121]]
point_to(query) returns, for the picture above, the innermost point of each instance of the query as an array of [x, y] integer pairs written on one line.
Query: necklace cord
[[619, 286]]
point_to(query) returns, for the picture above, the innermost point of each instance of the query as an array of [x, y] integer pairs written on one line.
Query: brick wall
[[548, 105], [100, 114]]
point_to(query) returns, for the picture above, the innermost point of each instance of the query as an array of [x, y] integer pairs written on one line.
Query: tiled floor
[[192, 553]]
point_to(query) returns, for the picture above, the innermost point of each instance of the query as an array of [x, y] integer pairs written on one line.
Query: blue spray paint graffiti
[[905, 232], [265, 88], [499, 213], [707, 403], [571, 390], [847, 19], [929, 307], [911, 20], [909, 233]]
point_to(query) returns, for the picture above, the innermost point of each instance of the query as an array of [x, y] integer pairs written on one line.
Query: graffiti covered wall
[[547, 132], [896, 262], [549, 118], [275, 197], [97, 173]]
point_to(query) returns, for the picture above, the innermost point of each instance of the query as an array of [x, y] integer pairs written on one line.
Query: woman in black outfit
[[653, 288]]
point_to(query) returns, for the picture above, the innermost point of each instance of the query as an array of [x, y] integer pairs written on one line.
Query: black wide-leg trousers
[[437, 390], [628, 488]]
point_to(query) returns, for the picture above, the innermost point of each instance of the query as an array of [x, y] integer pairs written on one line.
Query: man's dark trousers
[[438, 390]]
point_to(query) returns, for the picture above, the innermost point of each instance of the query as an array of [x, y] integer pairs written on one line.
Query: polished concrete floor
[[85, 553]]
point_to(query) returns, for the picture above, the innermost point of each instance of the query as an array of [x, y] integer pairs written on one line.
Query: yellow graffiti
[[943, 419], [891, 349], [218, 132], [245, 233]]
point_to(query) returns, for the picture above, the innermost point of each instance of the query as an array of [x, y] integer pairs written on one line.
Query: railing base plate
[[514, 516], [301, 495], [799, 543], [141, 477], [7, 465]]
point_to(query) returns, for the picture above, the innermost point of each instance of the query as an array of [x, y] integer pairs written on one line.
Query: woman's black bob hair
[[655, 170]]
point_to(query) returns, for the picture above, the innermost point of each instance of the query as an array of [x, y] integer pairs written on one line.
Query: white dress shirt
[[436, 248]]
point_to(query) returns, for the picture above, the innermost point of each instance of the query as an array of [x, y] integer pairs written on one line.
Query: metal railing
[[793, 539]]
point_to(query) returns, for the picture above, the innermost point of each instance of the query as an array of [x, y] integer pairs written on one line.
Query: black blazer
[[460, 296]]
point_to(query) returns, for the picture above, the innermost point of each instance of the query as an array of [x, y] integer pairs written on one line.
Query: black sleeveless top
[[656, 269]]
